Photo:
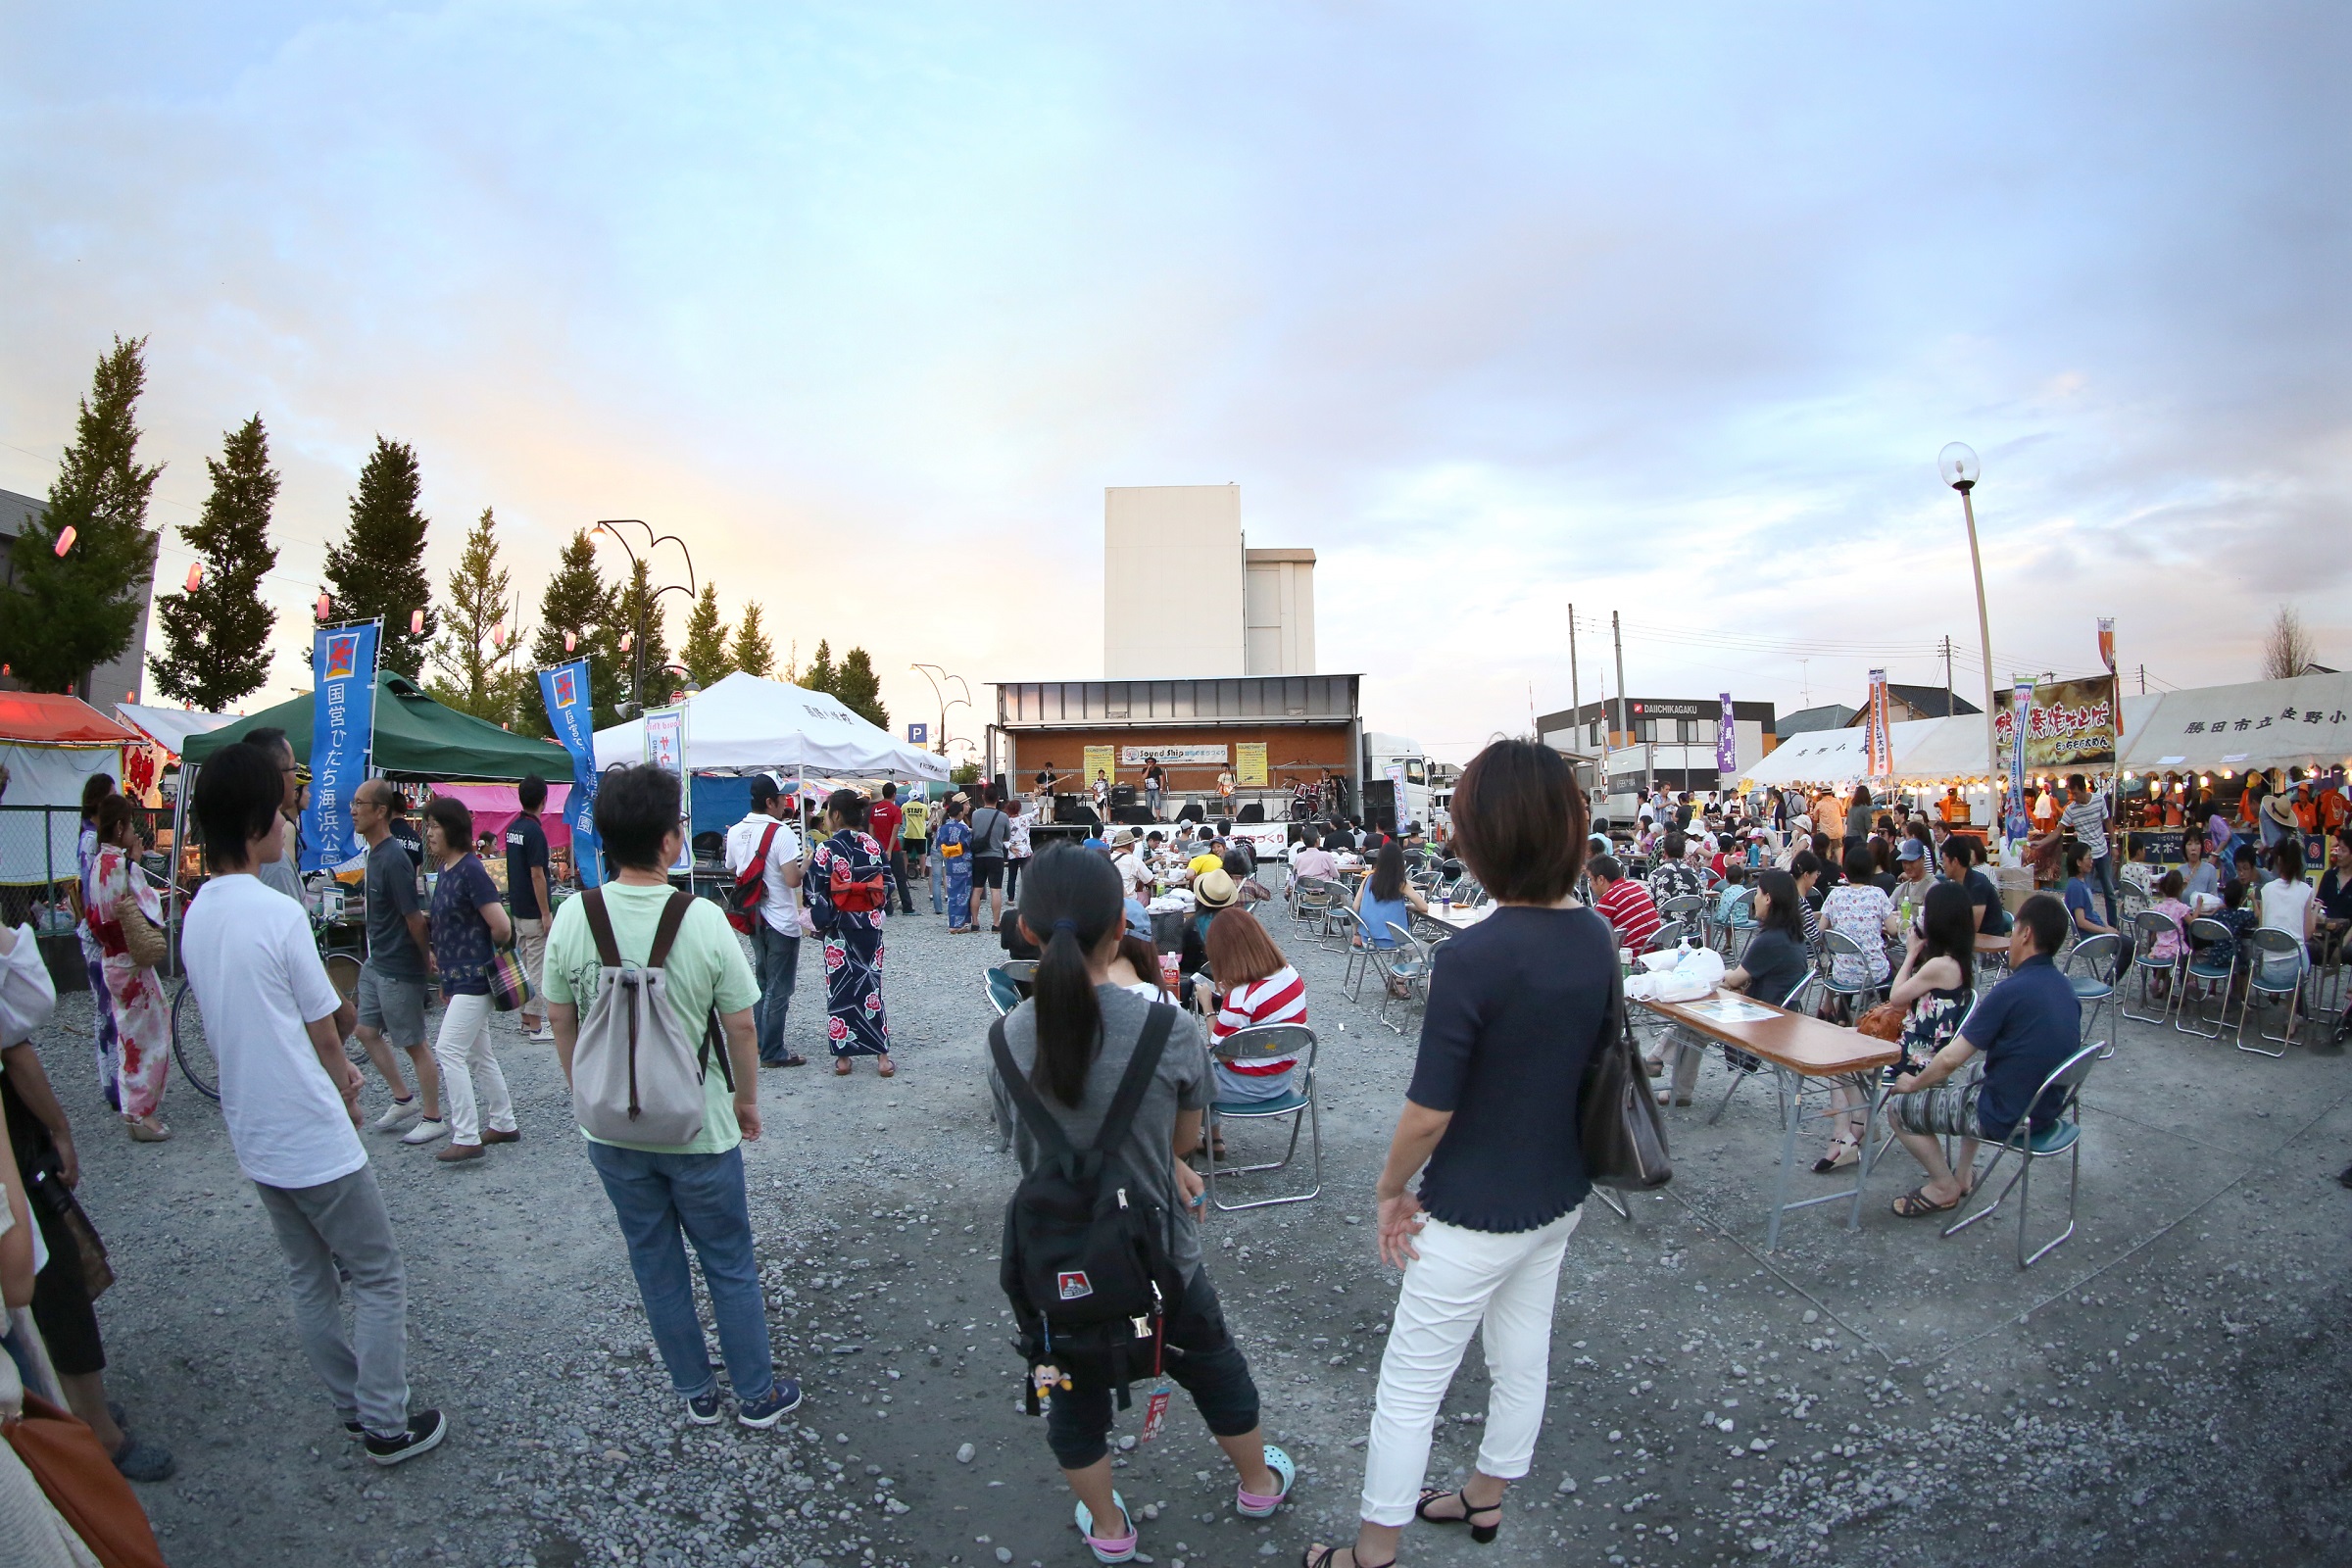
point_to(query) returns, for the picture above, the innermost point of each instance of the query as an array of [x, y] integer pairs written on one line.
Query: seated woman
[[1252, 984], [1773, 967], [2286, 903], [1388, 899], [2080, 906], [1937, 974], [2165, 950], [1244, 877]]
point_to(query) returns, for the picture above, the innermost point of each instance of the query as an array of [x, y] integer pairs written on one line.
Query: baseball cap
[[1911, 850]]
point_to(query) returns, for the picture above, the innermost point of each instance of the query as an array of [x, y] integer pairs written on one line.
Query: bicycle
[[192, 1048]]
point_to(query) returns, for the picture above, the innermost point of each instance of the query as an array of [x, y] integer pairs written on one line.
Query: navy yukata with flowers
[[856, 1024]]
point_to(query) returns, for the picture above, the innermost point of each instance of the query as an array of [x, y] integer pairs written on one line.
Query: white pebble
[[964, 1454]]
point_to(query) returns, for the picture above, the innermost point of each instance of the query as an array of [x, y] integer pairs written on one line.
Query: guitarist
[[763, 855]]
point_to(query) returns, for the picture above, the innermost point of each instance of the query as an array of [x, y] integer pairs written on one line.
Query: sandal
[[1851, 1155], [1916, 1204], [1321, 1557], [1482, 1534], [1666, 1097], [1249, 1505], [841, 1066], [1109, 1549], [888, 1069]]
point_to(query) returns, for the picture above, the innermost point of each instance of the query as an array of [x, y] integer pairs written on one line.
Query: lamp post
[[936, 675], [1958, 465], [636, 644]]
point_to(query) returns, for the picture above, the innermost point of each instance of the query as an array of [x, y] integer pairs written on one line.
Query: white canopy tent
[[1838, 755], [169, 727], [2303, 722], [742, 724]]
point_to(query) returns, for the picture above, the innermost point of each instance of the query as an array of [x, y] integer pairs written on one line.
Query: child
[[2166, 948], [1734, 883]]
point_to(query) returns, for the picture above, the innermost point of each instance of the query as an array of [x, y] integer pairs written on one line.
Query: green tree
[[964, 773], [706, 659], [472, 666], [820, 675], [861, 689], [576, 604], [378, 567], [71, 612], [752, 653], [654, 656], [216, 634]]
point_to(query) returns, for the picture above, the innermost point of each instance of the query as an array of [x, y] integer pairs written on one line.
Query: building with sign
[[1671, 742]]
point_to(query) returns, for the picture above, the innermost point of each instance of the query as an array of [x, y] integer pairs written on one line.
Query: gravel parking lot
[[2170, 1386]]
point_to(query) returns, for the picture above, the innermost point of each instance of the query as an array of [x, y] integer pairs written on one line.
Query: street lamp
[[934, 675], [1958, 465], [635, 637]]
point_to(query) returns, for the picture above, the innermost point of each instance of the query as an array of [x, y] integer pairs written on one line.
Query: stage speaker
[[1191, 813], [1251, 812], [1132, 815], [1122, 795]]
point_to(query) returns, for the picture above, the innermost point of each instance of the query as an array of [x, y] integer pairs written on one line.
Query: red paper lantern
[[326, 606], [626, 638], [416, 622], [65, 539], [570, 642], [196, 576]]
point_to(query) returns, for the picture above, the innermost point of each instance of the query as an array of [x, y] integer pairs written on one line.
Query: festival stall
[[163, 736], [2213, 738], [50, 744], [416, 738]]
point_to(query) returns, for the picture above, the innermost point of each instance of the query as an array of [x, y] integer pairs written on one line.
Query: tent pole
[[179, 841]]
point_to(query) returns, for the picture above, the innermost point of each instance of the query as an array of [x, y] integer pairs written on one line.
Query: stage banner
[[2068, 724], [1880, 734], [1249, 765], [564, 691], [1190, 755], [1727, 746], [665, 748], [342, 731], [1100, 761]]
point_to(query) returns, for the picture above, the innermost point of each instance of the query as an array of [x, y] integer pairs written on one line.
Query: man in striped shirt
[[2086, 816], [1624, 902]]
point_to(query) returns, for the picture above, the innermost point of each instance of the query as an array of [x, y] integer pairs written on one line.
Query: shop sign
[[2069, 723]]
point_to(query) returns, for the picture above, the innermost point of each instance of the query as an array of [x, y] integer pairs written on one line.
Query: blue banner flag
[[564, 690], [342, 731]]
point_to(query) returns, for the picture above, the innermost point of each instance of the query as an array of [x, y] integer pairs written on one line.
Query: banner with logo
[[1194, 756], [2068, 724], [665, 748], [342, 732], [564, 691], [1726, 746], [1880, 739], [1249, 765], [1099, 762]]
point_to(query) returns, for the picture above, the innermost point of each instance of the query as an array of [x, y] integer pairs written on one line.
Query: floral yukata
[[957, 833], [855, 1023], [142, 1022]]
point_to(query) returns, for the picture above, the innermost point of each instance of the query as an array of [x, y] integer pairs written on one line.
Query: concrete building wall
[[1173, 582], [122, 679], [1281, 600]]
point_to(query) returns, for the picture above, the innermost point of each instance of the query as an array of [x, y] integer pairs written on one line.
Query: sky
[[1499, 309]]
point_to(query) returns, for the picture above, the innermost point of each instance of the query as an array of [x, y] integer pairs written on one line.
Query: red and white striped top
[[1279, 998]]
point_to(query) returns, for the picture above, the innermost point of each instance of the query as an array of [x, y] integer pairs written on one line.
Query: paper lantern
[[497, 635], [570, 642], [65, 539], [325, 606], [196, 576], [416, 622], [626, 638]]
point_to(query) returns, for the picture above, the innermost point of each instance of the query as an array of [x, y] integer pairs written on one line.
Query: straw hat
[[1120, 838], [1214, 890]]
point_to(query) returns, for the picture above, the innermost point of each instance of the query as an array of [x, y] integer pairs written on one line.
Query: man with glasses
[[285, 872], [392, 982]]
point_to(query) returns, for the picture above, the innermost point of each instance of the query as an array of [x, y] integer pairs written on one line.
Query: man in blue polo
[[2025, 1027]]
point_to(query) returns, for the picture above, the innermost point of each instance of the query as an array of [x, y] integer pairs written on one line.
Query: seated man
[[2025, 1027], [1624, 902]]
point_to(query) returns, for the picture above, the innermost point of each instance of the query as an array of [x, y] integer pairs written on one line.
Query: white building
[[1185, 597]]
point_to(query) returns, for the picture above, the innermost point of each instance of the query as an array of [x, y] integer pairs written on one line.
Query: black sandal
[[1482, 1534], [1320, 1557]]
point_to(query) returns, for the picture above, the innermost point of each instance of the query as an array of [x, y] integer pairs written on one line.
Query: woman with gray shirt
[[1072, 1040]]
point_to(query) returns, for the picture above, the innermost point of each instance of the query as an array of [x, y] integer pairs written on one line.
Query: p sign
[[918, 734]]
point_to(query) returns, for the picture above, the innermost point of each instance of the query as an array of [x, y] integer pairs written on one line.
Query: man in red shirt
[[883, 820], [1624, 902]]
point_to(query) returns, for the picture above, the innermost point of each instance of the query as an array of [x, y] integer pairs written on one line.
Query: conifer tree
[[69, 613], [820, 675], [378, 567], [216, 634], [752, 653], [861, 689], [653, 654], [472, 667], [577, 602], [706, 659]]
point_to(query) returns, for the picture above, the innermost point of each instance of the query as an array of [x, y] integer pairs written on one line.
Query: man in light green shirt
[[666, 1194]]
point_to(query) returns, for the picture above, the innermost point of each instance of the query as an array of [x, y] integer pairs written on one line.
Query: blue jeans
[[779, 970], [2102, 871], [660, 1199]]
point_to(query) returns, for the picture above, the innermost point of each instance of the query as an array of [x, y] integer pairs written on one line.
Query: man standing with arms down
[[765, 840], [527, 898], [882, 820], [392, 983]]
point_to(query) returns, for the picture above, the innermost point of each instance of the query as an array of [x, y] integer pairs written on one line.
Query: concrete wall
[[1173, 586], [1281, 604]]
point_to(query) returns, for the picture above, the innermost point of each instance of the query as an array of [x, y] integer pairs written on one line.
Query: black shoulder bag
[[1619, 1130]]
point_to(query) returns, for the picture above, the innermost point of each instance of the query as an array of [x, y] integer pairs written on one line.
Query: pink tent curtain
[[494, 806]]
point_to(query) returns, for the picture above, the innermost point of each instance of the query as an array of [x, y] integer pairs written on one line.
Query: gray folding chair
[[2275, 966], [2090, 971], [1835, 945], [2149, 928], [2201, 969], [1273, 1039], [1407, 963], [1359, 951], [1738, 928], [1741, 1072], [2062, 1093]]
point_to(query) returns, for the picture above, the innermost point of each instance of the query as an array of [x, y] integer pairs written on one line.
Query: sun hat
[[1214, 890], [1120, 838]]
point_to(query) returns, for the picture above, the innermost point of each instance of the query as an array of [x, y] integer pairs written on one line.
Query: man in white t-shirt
[[776, 925], [291, 1098], [1135, 880]]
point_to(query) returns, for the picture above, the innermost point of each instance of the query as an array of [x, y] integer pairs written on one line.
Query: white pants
[[462, 1050], [1463, 1278]]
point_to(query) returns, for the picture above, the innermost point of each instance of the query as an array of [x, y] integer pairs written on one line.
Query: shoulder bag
[[1621, 1135], [140, 939]]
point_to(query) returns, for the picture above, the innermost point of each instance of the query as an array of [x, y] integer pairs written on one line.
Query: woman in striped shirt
[[1254, 985]]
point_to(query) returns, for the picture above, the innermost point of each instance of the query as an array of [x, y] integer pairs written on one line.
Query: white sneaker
[[399, 1114], [424, 1131], [542, 1034]]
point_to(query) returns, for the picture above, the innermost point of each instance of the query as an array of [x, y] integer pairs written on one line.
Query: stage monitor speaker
[[1191, 813], [1251, 812], [1133, 816], [1122, 795]]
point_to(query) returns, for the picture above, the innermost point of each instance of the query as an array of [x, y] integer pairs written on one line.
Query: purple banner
[[1727, 746]]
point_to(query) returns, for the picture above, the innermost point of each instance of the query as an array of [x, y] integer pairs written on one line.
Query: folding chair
[[1408, 962], [2064, 1136], [1257, 1045], [1005, 993], [1794, 1001], [1686, 910], [2149, 928], [1739, 927], [1359, 951], [2090, 971], [2275, 966], [2198, 968], [1835, 945]]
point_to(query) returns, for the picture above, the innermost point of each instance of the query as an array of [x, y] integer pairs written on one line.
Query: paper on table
[[1725, 1007]]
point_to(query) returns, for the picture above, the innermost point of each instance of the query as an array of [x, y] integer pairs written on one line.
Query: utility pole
[[1804, 680], [1576, 691], [1948, 700], [2143, 680], [1650, 756]]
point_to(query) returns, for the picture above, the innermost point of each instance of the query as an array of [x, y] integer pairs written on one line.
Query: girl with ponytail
[[1072, 1040]]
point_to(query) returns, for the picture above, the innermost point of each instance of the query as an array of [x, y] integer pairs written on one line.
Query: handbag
[[1884, 1021], [140, 939], [510, 982], [48, 1190], [1621, 1135], [82, 1484]]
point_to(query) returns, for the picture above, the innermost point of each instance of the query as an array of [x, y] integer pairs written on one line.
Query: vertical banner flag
[[1880, 736], [342, 731], [2107, 656], [2021, 708], [1727, 746], [665, 748], [564, 691]]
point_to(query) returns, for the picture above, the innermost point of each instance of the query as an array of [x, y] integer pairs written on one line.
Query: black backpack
[[1084, 1256]]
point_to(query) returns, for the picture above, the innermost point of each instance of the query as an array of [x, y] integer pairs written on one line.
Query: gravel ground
[[2170, 1383]]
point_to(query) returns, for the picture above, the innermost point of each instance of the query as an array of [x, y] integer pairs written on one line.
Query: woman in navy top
[[467, 920], [1517, 1005]]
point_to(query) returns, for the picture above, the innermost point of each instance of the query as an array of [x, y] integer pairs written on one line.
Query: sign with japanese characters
[[2069, 725]]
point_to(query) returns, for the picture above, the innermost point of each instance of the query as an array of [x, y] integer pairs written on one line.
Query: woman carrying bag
[[126, 919], [848, 901], [1519, 1004]]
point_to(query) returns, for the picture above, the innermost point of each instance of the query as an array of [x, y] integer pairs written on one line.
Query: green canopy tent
[[416, 737]]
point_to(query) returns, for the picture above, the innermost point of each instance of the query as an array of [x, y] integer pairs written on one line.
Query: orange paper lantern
[[65, 539], [196, 576]]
